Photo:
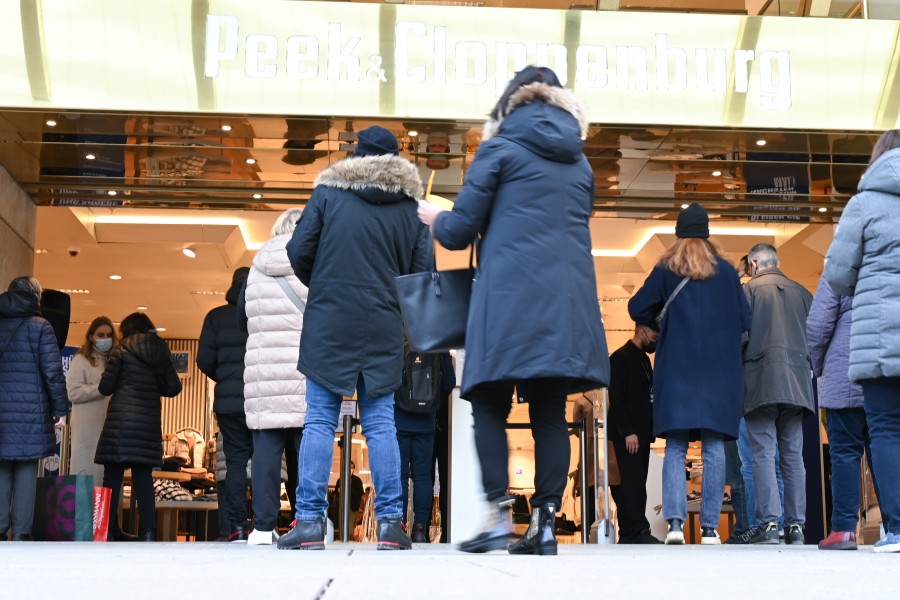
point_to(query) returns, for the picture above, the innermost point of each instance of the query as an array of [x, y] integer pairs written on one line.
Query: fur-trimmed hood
[[377, 179], [527, 94]]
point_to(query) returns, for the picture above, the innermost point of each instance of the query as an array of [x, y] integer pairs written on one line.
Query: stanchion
[[583, 438], [345, 478]]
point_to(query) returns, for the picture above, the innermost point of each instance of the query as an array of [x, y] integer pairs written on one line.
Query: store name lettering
[[668, 68]]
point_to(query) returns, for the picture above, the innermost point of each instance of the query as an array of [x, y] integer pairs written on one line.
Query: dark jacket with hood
[[138, 372], [358, 232], [529, 194], [220, 354], [32, 386]]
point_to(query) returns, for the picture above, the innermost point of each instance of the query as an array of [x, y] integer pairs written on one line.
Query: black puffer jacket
[[32, 386], [221, 352], [138, 372]]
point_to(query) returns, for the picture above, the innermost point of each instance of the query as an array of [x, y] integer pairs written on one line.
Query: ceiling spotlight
[[90, 156], [40, 251], [413, 133], [226, 127], [823, 209], [189, 252], [158, 329], [251, 161], [141, 307], [257, 196], [760, 142], [112, 192], [683, 206], [115, 277], [51, 123], [717, 173]]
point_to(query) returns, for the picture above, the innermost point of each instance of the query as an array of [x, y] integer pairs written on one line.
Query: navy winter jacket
[[221, 353], [32, 386]]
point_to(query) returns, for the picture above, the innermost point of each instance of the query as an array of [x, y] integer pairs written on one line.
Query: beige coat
[[88, 413]]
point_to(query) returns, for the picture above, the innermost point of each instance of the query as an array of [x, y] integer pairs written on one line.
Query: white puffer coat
[[274, 391]]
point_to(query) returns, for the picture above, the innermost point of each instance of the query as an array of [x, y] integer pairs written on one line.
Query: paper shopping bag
[[102, 498], [64, 509]]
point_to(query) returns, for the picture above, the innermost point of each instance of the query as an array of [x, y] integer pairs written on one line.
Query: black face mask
[[649, 347]]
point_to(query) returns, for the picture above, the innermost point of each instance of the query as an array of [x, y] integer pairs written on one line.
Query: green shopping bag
[[64, 509]]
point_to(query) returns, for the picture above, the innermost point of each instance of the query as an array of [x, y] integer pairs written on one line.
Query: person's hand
[[428, 212], [632, 444], [58, 424]]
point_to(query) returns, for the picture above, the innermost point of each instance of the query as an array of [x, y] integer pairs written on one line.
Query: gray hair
[[286, 222], [765, 256], [26, 285]]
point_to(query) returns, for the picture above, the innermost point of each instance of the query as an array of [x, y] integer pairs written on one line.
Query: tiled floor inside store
[[345, 571]]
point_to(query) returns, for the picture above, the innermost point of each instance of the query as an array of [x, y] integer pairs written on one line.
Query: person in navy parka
[[534, 321], [33, 402]]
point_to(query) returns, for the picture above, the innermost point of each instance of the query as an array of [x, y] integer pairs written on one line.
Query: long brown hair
[[696, 258], [87, 349]]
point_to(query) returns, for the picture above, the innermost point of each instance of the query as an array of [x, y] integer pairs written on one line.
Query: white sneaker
[[262, 538]]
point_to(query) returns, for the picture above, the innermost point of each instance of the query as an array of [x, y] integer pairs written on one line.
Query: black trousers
[[442, 458], [631, 494], [238, 445], [491, 403], [268, 447], [141, 488]]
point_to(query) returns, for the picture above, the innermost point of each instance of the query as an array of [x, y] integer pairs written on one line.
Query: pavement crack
[[321, 593]]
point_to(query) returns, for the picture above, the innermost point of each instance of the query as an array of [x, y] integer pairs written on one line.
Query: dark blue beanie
[[376, 141]]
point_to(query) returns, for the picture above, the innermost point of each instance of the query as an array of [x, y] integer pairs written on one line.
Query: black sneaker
[[391, 535], [740, 538], [676, 532], [794, 535], [709, 536], [765, 534]]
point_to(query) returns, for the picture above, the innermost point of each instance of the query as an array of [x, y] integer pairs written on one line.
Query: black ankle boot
[[391, 535], [115, 534], [305, 535], [148, 535], [419, 534], [496, 533], [541, 535]]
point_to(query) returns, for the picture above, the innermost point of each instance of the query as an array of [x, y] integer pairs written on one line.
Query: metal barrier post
[[585, 526], [345, 478]]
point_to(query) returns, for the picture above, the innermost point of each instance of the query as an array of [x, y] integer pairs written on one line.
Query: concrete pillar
[[18, 217]]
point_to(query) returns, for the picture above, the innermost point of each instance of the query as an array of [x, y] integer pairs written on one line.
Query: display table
[[167, 512], [694, 519]]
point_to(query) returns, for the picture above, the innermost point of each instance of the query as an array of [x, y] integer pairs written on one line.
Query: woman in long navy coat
[[534, 322], [697, 377]]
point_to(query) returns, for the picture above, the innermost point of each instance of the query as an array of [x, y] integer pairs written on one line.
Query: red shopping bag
[[102, 498]]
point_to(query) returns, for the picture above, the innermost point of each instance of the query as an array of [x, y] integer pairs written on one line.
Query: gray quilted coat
[[864, 262], [828, 338]]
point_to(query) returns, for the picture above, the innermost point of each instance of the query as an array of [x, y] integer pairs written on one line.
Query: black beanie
[[693, 222], [376, 141], [240, 274]]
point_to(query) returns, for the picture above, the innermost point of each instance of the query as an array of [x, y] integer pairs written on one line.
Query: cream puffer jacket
[[274, 391]]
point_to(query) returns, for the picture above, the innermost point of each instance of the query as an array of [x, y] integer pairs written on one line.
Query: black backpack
[[420, 389]]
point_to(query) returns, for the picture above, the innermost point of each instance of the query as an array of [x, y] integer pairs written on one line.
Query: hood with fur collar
[[552, 95], [376, 179]]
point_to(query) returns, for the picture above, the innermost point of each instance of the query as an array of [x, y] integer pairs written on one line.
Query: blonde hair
[[696, 258], [286, 222]]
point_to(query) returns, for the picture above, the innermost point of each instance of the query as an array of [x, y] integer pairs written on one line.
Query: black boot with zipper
[[541, 535], [497, 533]]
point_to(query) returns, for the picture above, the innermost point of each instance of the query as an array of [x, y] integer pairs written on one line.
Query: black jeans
[[631, 494], [268, 447], [141, 489], [238, 445], [416, 458], [491, 403]]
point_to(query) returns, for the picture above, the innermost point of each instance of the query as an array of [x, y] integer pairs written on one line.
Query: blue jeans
[[882, 402], [746, 456], [416, 456], [848, 440], [317, 450], [675, 482], [734, 478]]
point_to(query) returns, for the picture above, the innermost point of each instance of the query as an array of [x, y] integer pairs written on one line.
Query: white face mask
[[104, 345]]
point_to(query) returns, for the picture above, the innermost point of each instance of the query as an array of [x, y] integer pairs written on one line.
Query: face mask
[[104, 345], [650, 347]]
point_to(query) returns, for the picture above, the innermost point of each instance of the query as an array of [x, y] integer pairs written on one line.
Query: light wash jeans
[[317, 450], [675, 483]]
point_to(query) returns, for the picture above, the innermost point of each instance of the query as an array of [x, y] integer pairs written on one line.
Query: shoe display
[[262, 538], [540, 538], [676, 532], [419, 535], [497, 532], [304, 535], [794, 535], [889, 543], [765, 534], [839, 540], [21, 537], [740, 538], [709, 537], [391, 535]]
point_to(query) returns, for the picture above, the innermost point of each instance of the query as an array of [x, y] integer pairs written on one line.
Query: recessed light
[[158, 329], [716, 173], [257, 196], [79, 291], [141, 307], [51, 123], [226, 127], [90, 156], [413, 133], [251, 161], [683, 206], [760, 142], [112, 192], [189, 252], [823, 209], [115, 277], [40, 251]]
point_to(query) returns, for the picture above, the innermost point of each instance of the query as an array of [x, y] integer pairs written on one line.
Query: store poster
[[51, 464]]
